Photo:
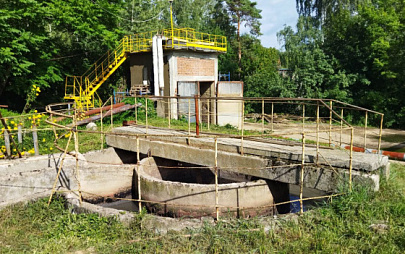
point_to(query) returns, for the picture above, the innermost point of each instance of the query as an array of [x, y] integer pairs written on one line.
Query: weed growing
[[342, 226]]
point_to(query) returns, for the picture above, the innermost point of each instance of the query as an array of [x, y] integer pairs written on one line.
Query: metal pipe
[[351, 158], [197, 116], [138, 163], [317, 132], [302, 174], [341, 125], [169, 115], [272, 117], [303, 117], [330, 123], [146, 114], [380, 135], [216, 180], [189, 117], [365, 131], [262, 116], [243, 127]]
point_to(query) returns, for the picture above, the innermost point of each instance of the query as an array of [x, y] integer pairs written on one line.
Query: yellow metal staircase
[[82, 89]]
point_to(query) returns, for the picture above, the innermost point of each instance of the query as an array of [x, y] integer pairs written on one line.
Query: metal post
[[243, 126], [351, 158], [112, 121], [262, 116], [380, 135], [20, 140], [341, 126], [35, 137], [317, 132], [170, 112], [136, 111], [330, 123], [216, 180], [302, 174], [101, 127], [7, 142], [146, 113], [303, 117], [189, 117], [209, 113], [76, 139], [197, 116], [138, 163], [365, 131], [272, 117]]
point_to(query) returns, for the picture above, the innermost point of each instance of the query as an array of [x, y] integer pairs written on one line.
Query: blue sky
[[276, 14]]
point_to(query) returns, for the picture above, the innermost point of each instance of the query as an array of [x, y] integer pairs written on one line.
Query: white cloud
[[275, 14]]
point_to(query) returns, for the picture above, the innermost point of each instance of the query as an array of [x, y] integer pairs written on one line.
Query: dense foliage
[[350, 50]]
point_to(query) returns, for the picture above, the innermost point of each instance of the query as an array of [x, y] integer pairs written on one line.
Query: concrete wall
[[21, 179], [180, 199]]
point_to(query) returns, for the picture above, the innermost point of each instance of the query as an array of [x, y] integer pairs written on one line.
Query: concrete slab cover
[[265, 160]]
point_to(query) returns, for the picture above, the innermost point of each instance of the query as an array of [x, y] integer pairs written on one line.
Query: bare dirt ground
[[392, 140]]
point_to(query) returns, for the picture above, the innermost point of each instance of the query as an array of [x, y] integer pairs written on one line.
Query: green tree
[[244, 11]]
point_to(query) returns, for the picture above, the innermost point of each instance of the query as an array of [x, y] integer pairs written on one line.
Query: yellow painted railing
[[82, 88]]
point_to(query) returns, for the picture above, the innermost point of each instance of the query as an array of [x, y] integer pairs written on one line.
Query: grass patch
[[342, 226]]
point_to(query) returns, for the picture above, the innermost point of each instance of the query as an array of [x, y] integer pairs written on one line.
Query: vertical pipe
[[302, 174], [7, 142], [35, 137], [341, 126], [136, 111], [146, 113], [197, 116], [380, 135], [317, 132], [209, 113], [76, 139], [112, 114], [272, 117], [101, 128], [216, 179], [189, 117], [330, 123], [351, 158], [138, 163], [303, 117], [20, 133], [262, 116], [170, 112], [243, 126], [365, 131]]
